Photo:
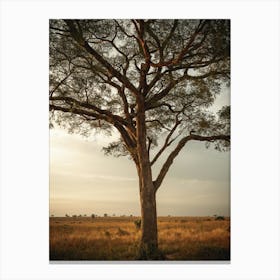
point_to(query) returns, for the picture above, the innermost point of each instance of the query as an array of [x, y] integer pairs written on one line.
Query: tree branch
[[174, 61], [129, 141], [113, 118], [178, 148], [78, 37], [160, 95], [209, 74], [60, 83], [166, 41], [167, 143]]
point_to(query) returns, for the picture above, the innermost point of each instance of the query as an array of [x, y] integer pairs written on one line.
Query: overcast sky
[[84, 181]]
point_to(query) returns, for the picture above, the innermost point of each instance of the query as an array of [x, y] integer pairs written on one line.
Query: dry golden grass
[[117, 238]]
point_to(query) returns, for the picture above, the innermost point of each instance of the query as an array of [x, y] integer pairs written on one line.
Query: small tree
[[93, 216], [147, 80]]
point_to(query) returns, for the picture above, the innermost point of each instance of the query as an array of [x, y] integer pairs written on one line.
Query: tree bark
[[148, 249], [149, 239]]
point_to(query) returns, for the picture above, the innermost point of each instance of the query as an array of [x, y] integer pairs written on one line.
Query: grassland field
[[117, 238]]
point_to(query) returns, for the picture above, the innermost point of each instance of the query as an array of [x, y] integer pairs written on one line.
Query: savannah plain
[[117, 238]]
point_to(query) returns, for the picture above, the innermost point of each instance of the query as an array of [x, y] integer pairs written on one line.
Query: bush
[[220, 218], [137, 224]]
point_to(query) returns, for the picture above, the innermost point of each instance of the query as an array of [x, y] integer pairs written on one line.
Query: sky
[[85, 181]]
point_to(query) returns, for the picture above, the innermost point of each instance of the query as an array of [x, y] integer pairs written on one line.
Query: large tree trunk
[[149, 238]]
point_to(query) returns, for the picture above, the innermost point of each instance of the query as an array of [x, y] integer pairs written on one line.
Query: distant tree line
[[95, 215]]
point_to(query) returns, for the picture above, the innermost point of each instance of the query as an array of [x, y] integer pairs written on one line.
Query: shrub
[[219, 218], [137, 224]]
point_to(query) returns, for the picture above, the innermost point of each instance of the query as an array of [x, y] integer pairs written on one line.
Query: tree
[[152, 81]]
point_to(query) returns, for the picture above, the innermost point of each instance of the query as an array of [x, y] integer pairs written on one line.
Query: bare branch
[[167, 142], [124, 32], [179, 147]]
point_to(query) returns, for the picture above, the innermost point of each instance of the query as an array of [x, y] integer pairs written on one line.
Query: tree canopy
[[101, 70]]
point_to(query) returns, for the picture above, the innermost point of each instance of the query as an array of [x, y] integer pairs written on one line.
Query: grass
[[117, 238]]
